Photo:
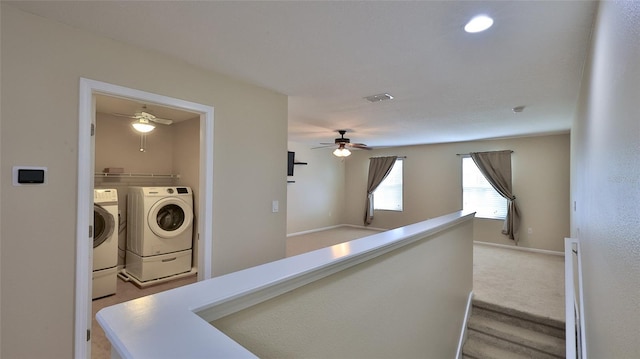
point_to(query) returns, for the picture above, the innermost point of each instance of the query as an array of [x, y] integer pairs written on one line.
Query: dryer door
[[169, 217], [103, 225]]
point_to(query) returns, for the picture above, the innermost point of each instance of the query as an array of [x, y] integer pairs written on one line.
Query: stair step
[[524, 321], [550, 322], [518, 333], [484, 346], [478, 346]]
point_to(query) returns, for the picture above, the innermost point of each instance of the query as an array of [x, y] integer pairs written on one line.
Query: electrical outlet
[[275, 206], [530, 230]]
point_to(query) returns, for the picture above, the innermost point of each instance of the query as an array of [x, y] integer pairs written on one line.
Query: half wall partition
[[402, 293]]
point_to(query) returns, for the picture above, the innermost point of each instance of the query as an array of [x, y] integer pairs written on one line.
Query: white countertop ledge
[[175, 323]]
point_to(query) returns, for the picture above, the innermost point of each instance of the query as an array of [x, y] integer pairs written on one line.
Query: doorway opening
[[95, 93]]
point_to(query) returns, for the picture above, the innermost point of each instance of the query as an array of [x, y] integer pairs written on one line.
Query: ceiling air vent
[[378, 98]]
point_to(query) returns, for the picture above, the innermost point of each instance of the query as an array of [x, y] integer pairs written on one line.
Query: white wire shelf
[[136, 175]]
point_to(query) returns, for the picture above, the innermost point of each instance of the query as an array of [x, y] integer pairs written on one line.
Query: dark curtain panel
[[379, 168], [496, 168]]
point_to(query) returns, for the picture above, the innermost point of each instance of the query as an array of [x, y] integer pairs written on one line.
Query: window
[[478, 195], [388, 195]]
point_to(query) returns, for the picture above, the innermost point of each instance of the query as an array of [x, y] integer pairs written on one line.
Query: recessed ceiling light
[[379, 97], [478, 23]]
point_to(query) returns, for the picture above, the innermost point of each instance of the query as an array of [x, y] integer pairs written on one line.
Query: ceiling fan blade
[[327, 143], [123, 115], [361, 146], [163, 121], [151, 117], [343, 142], [326, 146]]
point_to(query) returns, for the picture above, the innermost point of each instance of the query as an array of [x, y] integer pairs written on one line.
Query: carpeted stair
[[495, 332]]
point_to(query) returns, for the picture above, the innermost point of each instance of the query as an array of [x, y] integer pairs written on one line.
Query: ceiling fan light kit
[[343, 143], [478, 24], [143, 125], [341, 152], [145, 121]]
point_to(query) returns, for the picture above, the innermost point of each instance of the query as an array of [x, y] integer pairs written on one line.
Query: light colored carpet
[[311, 241], [525, 281]]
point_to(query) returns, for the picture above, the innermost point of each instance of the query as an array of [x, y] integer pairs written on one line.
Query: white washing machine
[[159, 231], [105, 242]]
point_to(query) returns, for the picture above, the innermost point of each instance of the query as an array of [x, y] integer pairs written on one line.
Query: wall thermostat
[[28, 175]]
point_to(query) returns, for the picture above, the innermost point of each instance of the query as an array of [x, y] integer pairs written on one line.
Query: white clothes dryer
[[105, 242], [159, 220]]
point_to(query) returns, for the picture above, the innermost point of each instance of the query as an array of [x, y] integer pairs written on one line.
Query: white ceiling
[[326, 56]]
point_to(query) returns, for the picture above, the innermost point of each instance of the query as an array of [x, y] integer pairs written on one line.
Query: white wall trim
[[205, 227], [333, 227], [88, 88], [524, 249], [465, 323], [82, 347], [365, 227], [314, 230]]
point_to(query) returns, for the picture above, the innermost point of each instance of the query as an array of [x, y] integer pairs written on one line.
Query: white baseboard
[[313, 230], [364, 227], [465, 322], [525, 249], [332, 227]]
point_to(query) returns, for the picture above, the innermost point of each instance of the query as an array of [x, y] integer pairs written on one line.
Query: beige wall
[[432, 187], [42, 62], [419, 293], [605, 183], [117, 145], [316, 199]]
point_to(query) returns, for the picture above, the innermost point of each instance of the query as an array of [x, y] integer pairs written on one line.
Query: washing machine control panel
[[180, 190], [161, 191]]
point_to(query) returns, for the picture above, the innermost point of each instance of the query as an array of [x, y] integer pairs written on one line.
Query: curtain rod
[[467, 154], [384, 156]]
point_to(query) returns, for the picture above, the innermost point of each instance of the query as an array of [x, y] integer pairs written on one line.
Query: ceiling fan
[[144, 120], [343, 145]]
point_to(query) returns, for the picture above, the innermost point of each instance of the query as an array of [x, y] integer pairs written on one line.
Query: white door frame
[[89, 88]]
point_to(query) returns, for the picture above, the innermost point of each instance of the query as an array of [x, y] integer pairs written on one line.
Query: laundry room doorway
[[175, 159]]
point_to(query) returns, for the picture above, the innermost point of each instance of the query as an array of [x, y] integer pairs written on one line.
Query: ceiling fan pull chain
[[143, 142]]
